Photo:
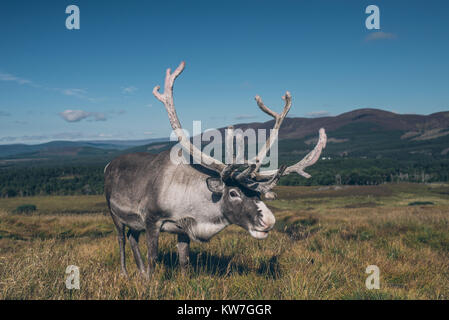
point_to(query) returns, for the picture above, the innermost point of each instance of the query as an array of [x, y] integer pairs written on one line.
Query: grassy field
[[323, 242]]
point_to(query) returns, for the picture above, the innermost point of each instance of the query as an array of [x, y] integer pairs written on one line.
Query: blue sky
[[320, 51]]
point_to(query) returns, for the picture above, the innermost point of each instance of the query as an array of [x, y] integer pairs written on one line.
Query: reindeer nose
[[267, 219]]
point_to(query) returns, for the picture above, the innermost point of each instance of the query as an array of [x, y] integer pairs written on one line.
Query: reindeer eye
[[233, 194]]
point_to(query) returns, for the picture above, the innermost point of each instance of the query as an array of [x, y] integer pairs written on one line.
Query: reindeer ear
[[215, 185]]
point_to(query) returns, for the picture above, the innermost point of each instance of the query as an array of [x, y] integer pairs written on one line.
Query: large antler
[[278, 118], [299, 167], [307, 161], [248, 176], [167, 99]]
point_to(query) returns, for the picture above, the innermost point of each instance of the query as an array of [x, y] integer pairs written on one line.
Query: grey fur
[[148, 193]]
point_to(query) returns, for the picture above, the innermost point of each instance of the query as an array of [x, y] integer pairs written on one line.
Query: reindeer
[[150, 193]]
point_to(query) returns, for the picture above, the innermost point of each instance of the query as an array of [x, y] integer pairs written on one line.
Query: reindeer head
[[242, 206]]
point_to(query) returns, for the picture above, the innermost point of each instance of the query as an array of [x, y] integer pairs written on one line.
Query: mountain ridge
[[8, 150], [300, 127], [358, 132]]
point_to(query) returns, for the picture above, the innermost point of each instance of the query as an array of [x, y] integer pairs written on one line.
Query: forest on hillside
[[88, 179]]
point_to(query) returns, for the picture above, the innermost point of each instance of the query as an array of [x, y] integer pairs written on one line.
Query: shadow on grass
[[299, 229], [218, 265]]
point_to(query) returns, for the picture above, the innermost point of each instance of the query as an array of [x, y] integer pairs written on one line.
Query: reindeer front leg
[[183, 250], [152, 236]]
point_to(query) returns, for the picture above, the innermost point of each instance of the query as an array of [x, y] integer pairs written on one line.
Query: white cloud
[[244, 117], [74, 92], [74, 115], [98, 116], [10, 77], [78, 115], [317, 114], [380, 35], [129, 90], [79, 93], [148, 133]]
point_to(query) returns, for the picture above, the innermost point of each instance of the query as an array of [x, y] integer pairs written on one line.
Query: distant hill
[[362, 133], [414, 126], [54, 148], [366, 133]]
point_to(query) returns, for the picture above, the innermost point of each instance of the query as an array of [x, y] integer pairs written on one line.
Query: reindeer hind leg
[[121, 243], [133, 237]]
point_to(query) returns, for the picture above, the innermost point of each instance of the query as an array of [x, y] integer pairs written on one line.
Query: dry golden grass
[[319, 250], [59, 204]]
